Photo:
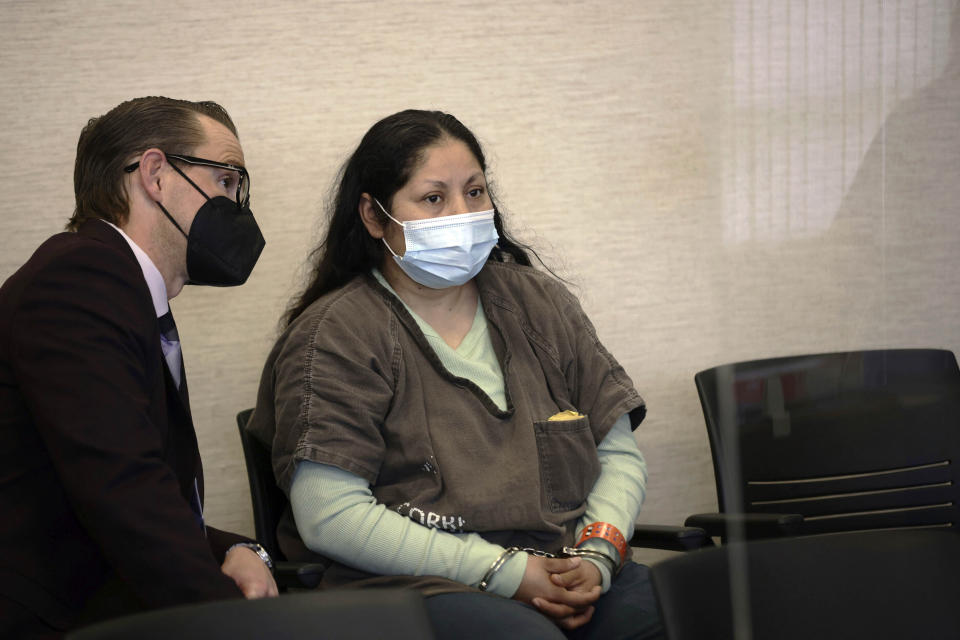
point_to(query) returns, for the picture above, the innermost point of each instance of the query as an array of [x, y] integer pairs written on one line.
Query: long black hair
[[383, 162]]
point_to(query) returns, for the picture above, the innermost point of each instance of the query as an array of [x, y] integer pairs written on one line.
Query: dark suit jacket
[[98, 452]]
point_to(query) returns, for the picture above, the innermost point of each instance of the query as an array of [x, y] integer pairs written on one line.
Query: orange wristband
[[608, 532]]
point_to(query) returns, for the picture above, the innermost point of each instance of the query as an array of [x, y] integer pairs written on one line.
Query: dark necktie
[[170, 344]]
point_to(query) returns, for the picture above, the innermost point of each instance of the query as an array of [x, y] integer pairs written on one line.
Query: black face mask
[[224, 241]]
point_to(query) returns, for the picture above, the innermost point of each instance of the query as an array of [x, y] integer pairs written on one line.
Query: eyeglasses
[[243, 178]]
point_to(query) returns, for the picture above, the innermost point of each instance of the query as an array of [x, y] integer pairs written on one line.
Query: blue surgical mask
[[446, 251]]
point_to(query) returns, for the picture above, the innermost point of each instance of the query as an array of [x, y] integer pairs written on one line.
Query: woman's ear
[[370, 216]]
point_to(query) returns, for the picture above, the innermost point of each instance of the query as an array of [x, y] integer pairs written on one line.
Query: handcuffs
[[566, 552]]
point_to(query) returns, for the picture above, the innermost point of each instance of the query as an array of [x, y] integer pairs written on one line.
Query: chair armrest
[[297, 575], [654, 536], [753, 525]]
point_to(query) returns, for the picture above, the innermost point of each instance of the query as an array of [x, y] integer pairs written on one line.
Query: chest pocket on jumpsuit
[[568, 461]]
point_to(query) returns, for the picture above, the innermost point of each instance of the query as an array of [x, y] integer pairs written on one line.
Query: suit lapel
[[181, 448]]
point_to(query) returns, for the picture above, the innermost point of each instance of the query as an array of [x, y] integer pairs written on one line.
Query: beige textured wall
[[722, 179]]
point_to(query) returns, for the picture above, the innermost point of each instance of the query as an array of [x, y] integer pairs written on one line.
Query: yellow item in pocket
[[565, 415]]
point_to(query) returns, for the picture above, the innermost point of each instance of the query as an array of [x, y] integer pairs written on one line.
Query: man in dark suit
[[101, 486]]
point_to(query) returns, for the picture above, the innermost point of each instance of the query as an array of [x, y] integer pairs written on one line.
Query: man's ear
[[370, 215], [150, 171]]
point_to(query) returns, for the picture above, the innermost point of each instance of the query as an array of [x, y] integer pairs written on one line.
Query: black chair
[[269, 503], [876, 584], [360, 613], [833, 442]]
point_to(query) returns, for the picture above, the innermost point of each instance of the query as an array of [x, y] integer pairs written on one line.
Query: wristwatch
[[257, 549]]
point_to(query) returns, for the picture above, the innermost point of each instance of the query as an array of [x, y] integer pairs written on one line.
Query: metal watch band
[[258, 549]]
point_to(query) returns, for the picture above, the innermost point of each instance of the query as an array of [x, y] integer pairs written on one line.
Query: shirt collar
[[158, 289]]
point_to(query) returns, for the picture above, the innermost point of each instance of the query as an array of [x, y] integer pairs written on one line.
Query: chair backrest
[[358, 613], [851, 441], [875, 584], [269, 502]]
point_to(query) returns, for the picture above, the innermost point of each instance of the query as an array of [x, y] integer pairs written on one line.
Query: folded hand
[[563, 589]]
